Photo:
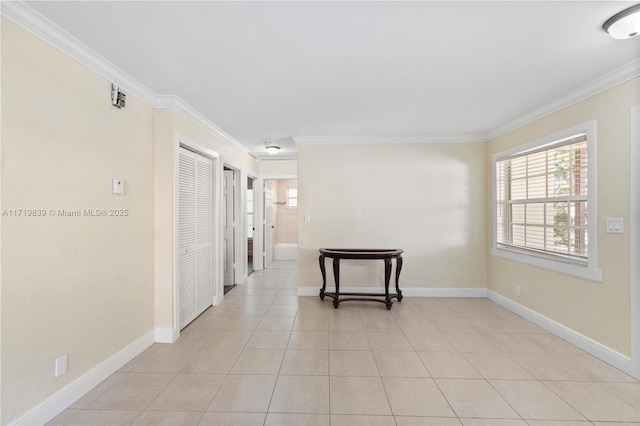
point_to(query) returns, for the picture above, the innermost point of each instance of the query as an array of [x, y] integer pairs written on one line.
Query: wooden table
[[361, 254]]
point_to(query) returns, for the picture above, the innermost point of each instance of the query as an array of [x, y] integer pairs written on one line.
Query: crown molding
[[600, 84], [43, 28], [261, 157], [396, 139], [178, 104]]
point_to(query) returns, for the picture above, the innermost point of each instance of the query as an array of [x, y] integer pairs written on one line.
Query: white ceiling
[[272, 70]]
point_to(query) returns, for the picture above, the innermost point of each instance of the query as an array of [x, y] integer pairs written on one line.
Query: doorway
[[250, 225], [280, 246], [195, 238], [635, 241], [230, 223], [269, 226]]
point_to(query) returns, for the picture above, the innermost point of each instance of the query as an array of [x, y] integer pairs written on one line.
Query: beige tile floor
[[268, 357]]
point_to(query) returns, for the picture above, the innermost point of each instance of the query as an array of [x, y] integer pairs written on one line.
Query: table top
[[350, 253]]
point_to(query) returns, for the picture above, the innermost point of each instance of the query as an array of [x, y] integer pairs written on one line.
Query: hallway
[[268, 357]]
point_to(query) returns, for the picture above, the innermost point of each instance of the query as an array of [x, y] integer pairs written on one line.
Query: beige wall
[[81, 286], [88, 286], [169, 124], [287, 217], [231, 155], [599, 310], [278, 168], [427, 199]]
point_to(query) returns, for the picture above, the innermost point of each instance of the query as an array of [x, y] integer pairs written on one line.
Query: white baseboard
[[444, 292], [166, 335], [59, 401], [407, 291], [600, 351]]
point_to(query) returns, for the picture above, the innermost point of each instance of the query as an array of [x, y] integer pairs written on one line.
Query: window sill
[[554, 265]]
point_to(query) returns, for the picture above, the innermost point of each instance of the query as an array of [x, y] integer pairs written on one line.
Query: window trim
[[589, 271]]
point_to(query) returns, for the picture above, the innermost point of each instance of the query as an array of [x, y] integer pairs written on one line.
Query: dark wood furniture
[[361, 254]]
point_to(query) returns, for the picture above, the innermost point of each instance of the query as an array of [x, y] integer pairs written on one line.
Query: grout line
[[446, 399], [503, 398], [419, 313]]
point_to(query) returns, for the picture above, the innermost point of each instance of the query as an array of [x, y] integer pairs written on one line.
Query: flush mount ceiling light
[[625, 24], [271, 148]]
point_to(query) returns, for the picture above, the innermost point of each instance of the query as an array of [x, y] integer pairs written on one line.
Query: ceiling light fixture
[[271, 148], [625, 24]]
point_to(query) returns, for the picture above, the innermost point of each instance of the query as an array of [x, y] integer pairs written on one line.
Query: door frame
[[258, 218], [240, 234], [254, 180], [259, 183], [218, 288], [263, 225], [635, 240]]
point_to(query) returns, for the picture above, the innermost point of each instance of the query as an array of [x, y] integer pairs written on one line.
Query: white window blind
[[541, 200], [292, 197]]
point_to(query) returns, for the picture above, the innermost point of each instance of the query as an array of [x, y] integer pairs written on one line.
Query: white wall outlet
[[60, 366], [307, 218], [517, 290], [381, 278]]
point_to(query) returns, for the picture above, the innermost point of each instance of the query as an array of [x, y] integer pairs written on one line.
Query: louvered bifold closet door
[[186, 237], [195, 235], [204, 234]]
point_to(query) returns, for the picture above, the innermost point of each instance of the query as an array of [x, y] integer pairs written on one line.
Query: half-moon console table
[[361, 254]]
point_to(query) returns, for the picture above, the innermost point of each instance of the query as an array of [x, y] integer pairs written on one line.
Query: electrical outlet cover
[[60, 366]]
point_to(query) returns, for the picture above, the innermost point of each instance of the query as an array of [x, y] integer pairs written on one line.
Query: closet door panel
[[204, 234], [186, 237]]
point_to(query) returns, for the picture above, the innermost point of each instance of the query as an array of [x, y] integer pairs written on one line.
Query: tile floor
[[268, 357]]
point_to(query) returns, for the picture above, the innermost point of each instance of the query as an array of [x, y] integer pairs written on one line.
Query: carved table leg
[[324, 277], [387, 278], [336, 276], [398, 269]]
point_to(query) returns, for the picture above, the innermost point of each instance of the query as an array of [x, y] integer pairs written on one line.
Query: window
[[292, 197], [544, 202]]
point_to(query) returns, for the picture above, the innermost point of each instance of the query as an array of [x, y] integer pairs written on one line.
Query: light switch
[[118, 187], [615, 225], [307, 218]]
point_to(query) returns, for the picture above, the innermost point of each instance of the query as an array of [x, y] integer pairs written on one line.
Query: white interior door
[[635, 241], [195, 235], [204, 233], [250, 225], [229, 222], [268, 223]]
